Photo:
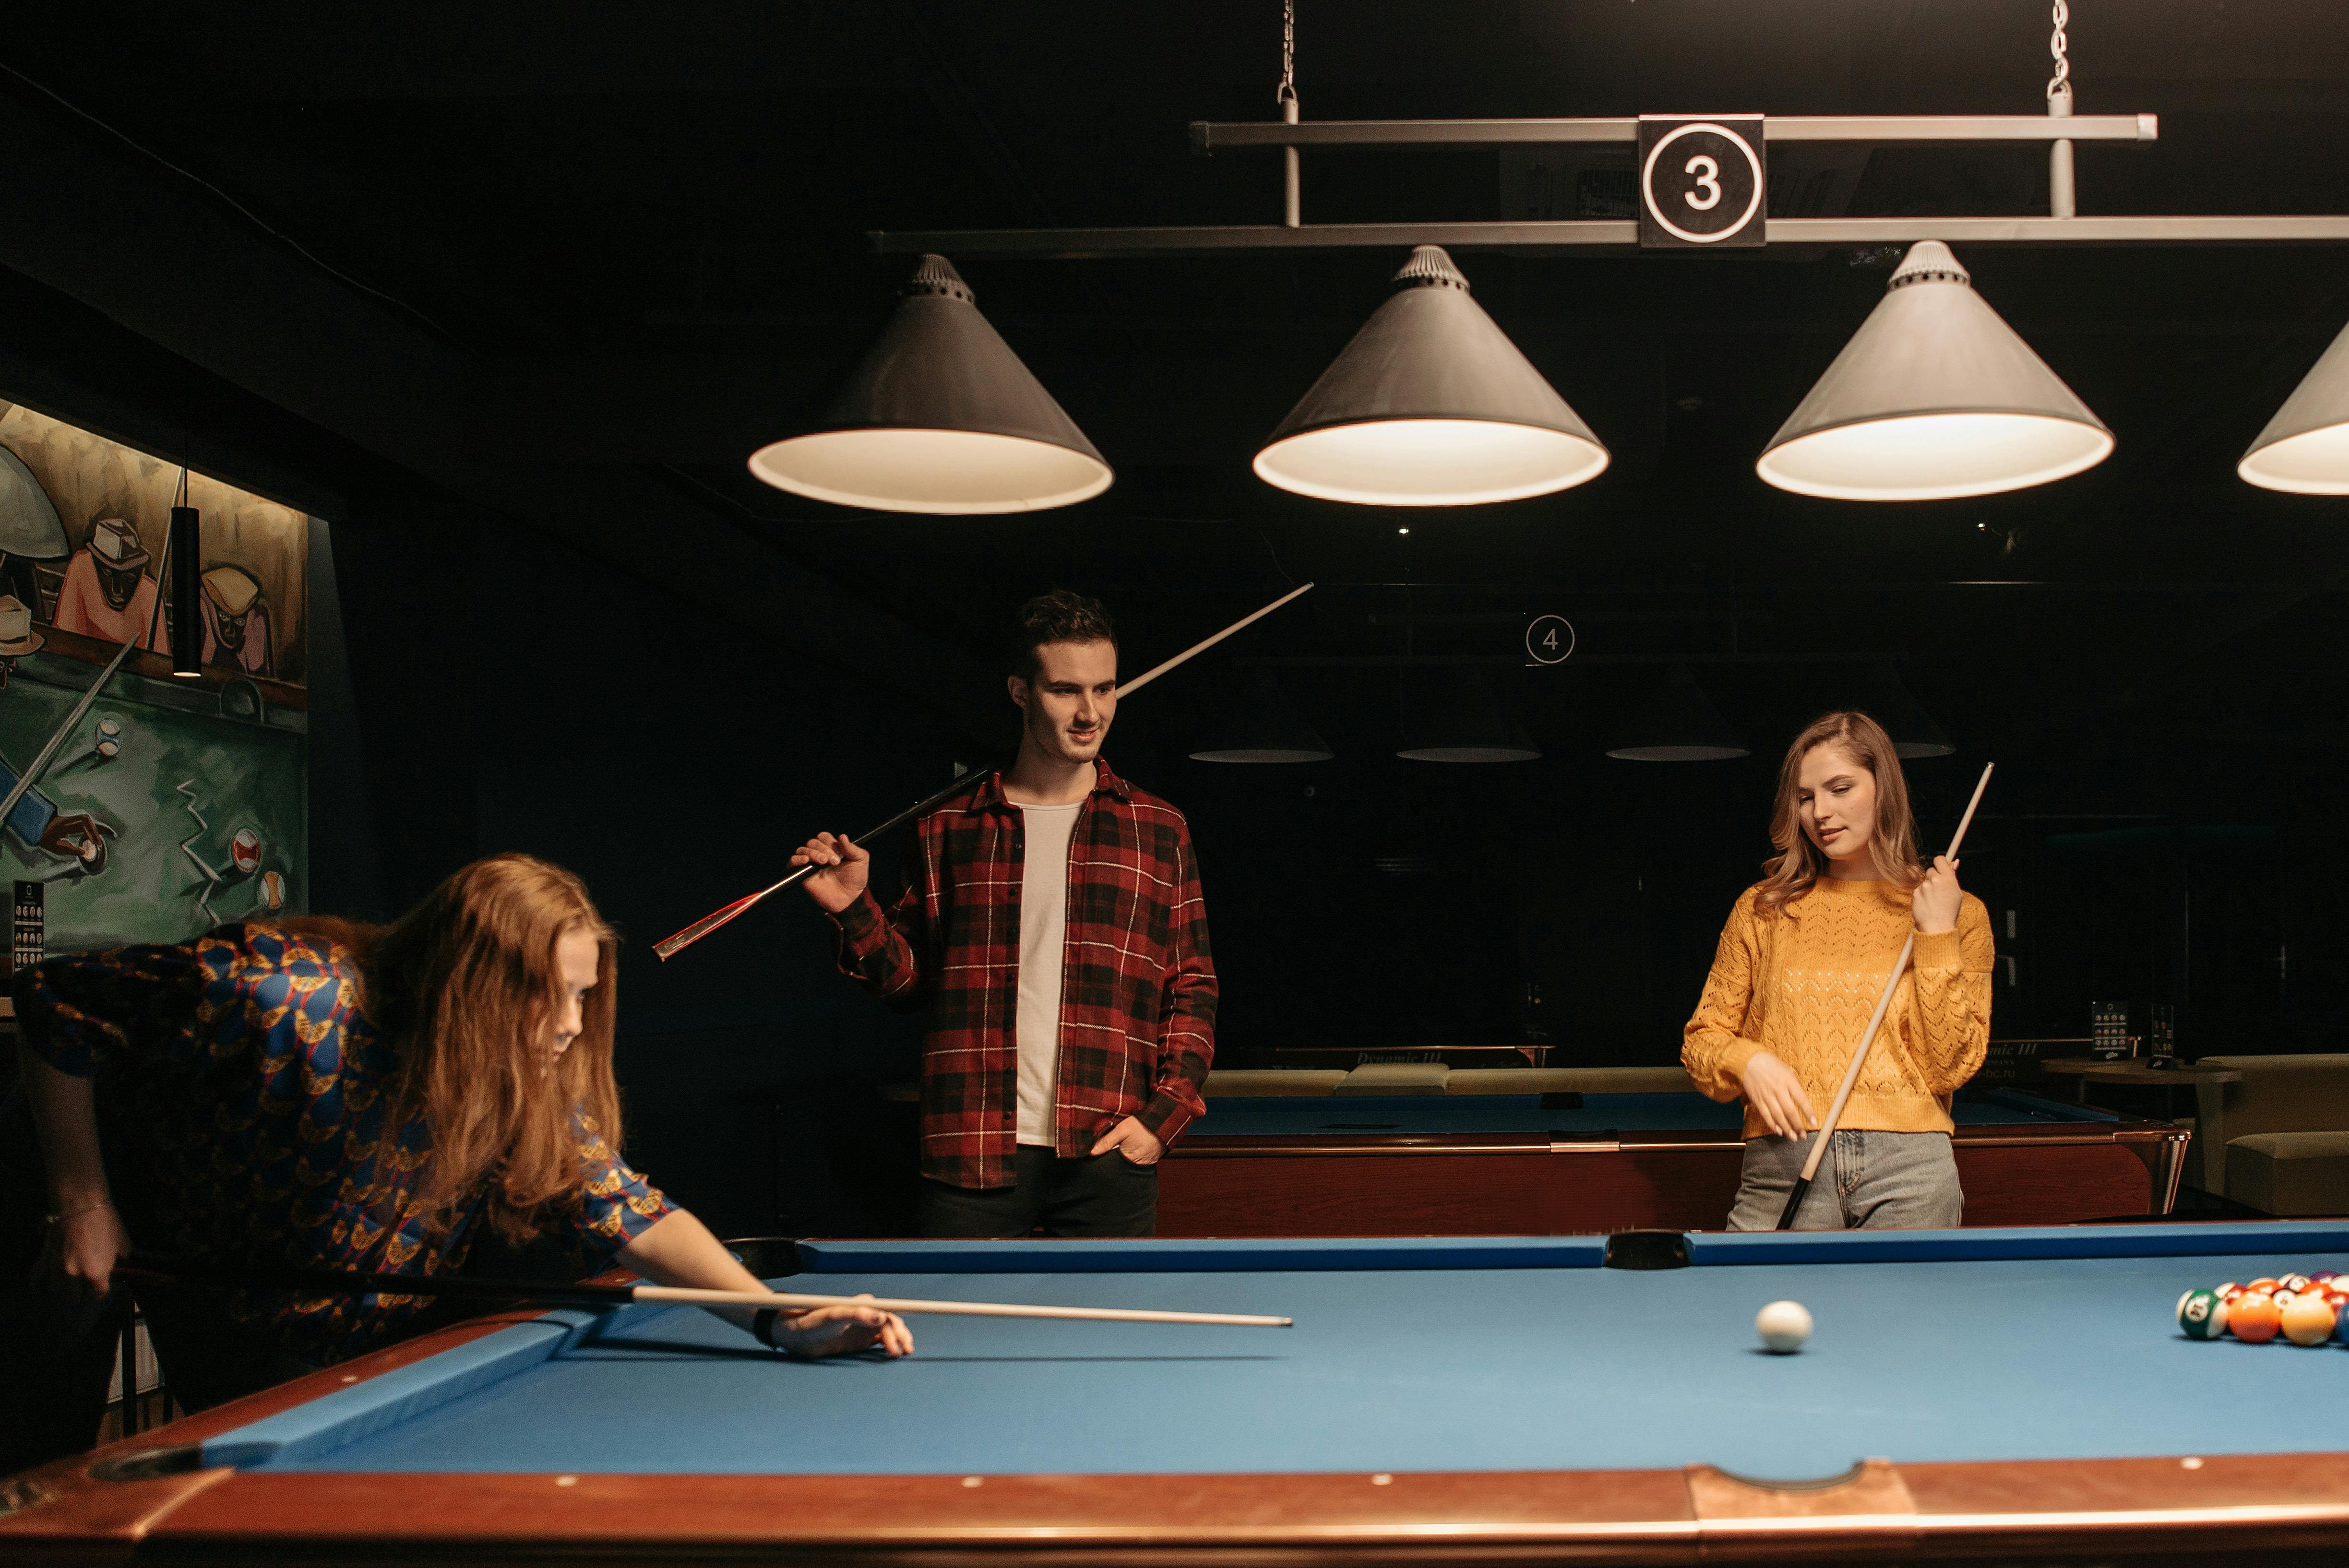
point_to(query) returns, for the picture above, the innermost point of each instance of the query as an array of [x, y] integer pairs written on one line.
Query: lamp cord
[[1286, 91], [2059, 47]]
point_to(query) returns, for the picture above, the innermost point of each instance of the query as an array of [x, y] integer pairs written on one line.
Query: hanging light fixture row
[[1934, 398], [1431, 405]]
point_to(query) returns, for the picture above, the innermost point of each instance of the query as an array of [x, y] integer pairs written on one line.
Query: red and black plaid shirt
[[1137, 987]]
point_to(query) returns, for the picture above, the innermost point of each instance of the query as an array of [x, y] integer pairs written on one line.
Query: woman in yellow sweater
[[1800, 966]]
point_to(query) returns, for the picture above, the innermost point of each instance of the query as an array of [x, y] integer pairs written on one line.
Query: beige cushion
[[2284, 1094], [1570, 1080], [2290, 1172], [1396, 1078], [1242, 1083]]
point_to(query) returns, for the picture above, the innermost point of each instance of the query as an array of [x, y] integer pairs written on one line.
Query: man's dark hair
[[1059, 616]]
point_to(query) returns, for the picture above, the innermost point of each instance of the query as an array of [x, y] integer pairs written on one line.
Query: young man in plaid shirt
[[1049, 923]]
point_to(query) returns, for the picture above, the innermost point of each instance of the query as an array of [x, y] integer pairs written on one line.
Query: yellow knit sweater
[[1801, 984]]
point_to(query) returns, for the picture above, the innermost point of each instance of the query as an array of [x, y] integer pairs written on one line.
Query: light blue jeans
[[1868, 1181]]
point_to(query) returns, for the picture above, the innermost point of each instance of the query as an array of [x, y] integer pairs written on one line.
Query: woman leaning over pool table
[[417, 1098]]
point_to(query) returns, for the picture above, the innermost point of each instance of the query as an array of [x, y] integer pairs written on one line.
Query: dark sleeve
[[79, 1009], [882, 948], [1186, 1035]]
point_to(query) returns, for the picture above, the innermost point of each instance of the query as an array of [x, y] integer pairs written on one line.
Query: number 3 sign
[[1702, 181]]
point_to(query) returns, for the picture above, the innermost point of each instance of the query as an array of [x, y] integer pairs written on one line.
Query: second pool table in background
[[1453, 1163]]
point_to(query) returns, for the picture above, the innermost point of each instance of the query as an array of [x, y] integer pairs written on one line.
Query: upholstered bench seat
[[2290, 1172]]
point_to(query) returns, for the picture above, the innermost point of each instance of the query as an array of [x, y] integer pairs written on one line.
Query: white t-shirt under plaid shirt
[[1043, 934]]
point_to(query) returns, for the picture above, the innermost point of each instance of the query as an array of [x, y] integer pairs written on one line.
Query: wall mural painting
[[136, 806]]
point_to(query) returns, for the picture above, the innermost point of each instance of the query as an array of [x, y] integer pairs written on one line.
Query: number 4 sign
[[1701, 181]]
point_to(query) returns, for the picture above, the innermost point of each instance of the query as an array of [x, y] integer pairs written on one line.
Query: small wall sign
[[1704, 181]]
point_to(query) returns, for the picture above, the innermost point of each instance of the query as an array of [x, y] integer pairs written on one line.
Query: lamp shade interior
[[926, 470], [1935, 457], [2305, 448], [2314, 462], [1429, 462]]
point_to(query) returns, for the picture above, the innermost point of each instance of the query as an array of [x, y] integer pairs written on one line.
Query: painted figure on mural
[[236, 623], [108, 593]]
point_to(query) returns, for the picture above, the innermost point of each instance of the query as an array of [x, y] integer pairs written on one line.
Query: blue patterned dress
[[242, 1098]]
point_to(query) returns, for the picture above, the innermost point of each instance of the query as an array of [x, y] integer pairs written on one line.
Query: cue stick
[[355, 1281], [669, 947], [1867, 1036]]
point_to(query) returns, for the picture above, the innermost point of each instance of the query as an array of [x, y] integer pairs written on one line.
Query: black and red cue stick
[[669, 947]]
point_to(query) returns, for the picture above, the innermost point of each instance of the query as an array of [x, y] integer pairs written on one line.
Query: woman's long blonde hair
[[1892, 844], [464, 986]]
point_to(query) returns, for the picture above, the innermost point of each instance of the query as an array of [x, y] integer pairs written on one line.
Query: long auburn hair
[[1892, 845], [465, 987]]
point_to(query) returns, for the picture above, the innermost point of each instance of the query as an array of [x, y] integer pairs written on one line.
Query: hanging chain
[[2059, 47], [1286, 92]]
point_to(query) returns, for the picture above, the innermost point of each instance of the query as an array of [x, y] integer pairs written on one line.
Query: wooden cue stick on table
[[670, 946], [585, 1294], [1867, 1036]]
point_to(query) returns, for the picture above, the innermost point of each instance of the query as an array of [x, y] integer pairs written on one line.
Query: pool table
[[1560, 1164], [2022, 1393]]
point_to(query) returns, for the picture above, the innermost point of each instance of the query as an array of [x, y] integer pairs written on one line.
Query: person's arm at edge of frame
[[1952, 969], [1186, 1028], [878, 948], [1722, 1063], [60, 1036], [680, 1250]]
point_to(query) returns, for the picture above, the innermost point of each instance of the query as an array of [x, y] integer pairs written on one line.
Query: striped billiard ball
[[2201, 1314]]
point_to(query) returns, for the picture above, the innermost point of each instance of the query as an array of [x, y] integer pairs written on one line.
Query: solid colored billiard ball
[[2321, 1275], [2309, 1319], [2253, 1317], [1782, 1325], [2264, 1284], [2202, 1314]]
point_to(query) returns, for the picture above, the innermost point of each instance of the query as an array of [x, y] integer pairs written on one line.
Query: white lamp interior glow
[[2315, 462], [1429, 462], [1934, 457], [937, 471]]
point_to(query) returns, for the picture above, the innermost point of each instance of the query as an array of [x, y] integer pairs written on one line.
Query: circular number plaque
[[1703, 182]]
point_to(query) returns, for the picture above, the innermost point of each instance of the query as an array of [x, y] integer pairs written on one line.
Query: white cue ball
[[1782, 1325]]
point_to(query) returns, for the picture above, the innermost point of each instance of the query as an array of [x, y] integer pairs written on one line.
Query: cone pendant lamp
[[1934, 397], [1672, 720], [1430, 405], [2305, 448], [1454, 717], [1264, 726], [938, 416]]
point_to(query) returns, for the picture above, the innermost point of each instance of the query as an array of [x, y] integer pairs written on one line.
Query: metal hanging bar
[[1210, 137], [1602, 234]]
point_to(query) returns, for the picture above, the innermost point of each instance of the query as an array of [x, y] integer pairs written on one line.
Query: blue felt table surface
[[1339, 1115], [1414, 1368]]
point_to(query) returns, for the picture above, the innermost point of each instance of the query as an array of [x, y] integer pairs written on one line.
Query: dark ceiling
[[577, 261]]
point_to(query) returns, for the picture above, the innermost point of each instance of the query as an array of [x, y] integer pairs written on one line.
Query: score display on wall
[[1703, 181]]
